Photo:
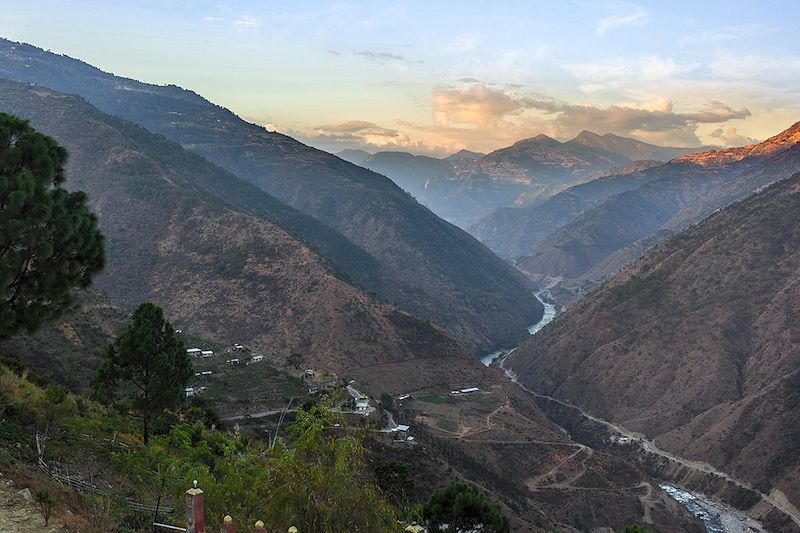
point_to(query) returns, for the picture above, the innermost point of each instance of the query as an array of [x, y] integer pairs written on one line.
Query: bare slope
[[437, 271], [695, 344]]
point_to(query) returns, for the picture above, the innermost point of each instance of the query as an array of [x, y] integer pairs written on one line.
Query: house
[[468, 390], [257, 359], [207, 353], [178, 331], [362, 405], [194, 352], [232, 362], [189, 391], [238, 347], [310, 372], [313, 390], [205, 373], [403, 397]]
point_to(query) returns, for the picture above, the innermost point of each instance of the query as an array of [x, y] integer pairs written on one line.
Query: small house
[[194, 352], [205, 373], [468, 390], [207, 353], [189, 391], [310, 372], [232, 362], [257, 359], [238, 347], [362, 405]]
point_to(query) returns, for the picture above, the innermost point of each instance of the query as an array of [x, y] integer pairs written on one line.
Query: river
[[533, 329], [715, 515]]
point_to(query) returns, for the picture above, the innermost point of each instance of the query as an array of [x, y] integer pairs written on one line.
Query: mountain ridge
[[695, 343], [456, 281]]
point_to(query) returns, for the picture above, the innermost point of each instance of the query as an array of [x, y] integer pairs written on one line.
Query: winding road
[[646, 445]]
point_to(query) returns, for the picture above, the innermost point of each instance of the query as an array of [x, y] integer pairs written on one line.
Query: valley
[[415, 267]]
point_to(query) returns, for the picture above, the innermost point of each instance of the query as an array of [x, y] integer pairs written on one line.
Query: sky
[[434, 77]]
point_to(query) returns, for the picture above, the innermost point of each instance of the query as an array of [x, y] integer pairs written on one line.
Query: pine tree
[[49, 240], [146, 368], [464, 508]]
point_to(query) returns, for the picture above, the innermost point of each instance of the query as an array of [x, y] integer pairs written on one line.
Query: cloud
[[384, 57], [247, 22], [731, 137], [486, 108], [213, 19], [358, 133], [637, 16], [483, 117], [617, 73]]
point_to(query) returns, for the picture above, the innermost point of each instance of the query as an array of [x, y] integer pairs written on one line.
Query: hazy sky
[[436, 76]]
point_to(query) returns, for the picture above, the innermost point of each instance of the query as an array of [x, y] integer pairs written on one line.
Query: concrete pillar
[[227, 525], [195, 517], [260, 527]]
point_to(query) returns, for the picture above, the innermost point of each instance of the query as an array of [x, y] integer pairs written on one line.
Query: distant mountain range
[[697, 344], [375, 235], [590, 231], [467, 186]]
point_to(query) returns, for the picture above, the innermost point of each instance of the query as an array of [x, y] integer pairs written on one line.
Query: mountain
[[603, 238], [464, 155], [408, 171], [434, 270], [514, 231], [696, 344], [356, 157], [528, 172], [632, 149], [179, 233]]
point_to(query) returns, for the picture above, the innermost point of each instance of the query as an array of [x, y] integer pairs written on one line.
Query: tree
[[49, 240], [387, 402], [146, 369], [395, 480], [464, 508], [638, 529]]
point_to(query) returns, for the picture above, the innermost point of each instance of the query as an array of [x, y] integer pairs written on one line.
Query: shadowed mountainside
[[437, 271], [225, 273], [696, 344]]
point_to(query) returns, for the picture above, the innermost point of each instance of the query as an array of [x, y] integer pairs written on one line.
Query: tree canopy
[[462, 507], [49, 240], [146, 368]]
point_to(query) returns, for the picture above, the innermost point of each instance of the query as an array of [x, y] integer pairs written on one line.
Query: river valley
[[717, 516]]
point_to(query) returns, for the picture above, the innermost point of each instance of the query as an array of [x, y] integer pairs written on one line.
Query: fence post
[[195, 518], [260, 527], [227, 525]]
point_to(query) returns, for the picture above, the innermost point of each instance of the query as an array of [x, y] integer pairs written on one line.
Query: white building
[[190, 391], [232, 362], [257, 359], [194, 352], [207, 353]]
